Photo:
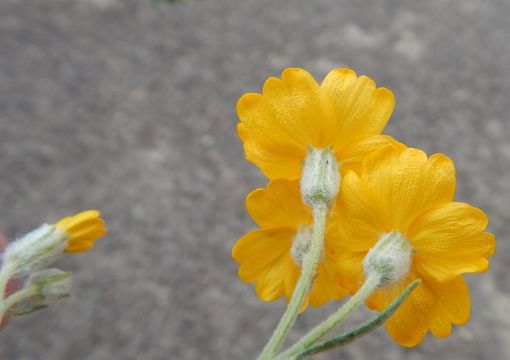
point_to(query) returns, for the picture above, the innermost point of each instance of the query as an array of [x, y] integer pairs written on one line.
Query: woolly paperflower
[[345, 113], [404, 191], [44, 245], [271, 256]]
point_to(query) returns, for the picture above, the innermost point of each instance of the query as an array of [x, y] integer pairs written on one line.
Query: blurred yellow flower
[[271, 256], [345, 113], [404, 191], [83, 229]]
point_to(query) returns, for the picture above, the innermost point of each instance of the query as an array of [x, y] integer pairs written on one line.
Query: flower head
[[44, 245], [271, 256], [51, 285], [82, 230], [345, 113], [403, 192]]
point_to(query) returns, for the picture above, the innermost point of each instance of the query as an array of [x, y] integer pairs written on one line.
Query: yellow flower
[[271, 255], [404, 191], [82, 229], [345, 113]]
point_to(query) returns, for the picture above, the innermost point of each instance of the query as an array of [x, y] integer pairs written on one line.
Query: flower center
[[301, 244]]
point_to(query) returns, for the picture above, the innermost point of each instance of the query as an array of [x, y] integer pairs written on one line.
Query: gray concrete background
[[130, 108]]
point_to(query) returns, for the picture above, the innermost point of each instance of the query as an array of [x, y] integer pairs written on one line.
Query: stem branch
[[16, 298], [364, 328], [19, 296], [320, 330]]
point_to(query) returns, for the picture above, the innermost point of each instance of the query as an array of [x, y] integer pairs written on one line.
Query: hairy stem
[[323, 328], [363, 329], [19, 296], [310, 262]]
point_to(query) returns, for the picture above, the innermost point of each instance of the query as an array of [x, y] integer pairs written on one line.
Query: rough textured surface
[[130, 108]]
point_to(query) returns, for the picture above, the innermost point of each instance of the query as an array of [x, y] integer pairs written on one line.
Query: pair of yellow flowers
[[385, 187]]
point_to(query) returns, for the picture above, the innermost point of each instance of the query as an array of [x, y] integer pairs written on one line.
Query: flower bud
[[390, 258], [41, 247], [320, 181], [41, 289], [51, 284], [36, 250]]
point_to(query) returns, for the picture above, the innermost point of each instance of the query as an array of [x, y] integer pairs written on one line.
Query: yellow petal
[[83, 229], [327, 285], [431, 306], [259, 121], [263, 257], [301, 109], [361, 109], [350, 271], [79, 247], [453, 302], [357, 223], [86, 236], [408, 325], [450, 240], [352, 155], [266, 143], [290, 280], [278, 205], [268, 284], [408, 183], [362, 219]]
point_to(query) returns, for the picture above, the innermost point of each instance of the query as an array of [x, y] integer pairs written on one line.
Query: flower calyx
[[390, 258], [320, 181]]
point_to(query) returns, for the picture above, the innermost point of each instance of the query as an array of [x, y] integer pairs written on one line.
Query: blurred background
[[129, 106]]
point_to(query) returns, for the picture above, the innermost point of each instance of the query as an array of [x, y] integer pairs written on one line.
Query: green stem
[[16, 298], [320, 330], [310, 262], [20, 296], [364, 328]]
